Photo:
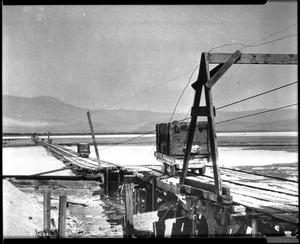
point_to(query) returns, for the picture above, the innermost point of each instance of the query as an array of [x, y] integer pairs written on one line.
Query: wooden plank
[[202, 183], [263, 207], [47, 209], [62, 216], [254, 58], [257, 182], [212, 80], [129, 229]]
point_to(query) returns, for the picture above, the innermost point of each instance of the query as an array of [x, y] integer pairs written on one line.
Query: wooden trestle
[[223, 202]]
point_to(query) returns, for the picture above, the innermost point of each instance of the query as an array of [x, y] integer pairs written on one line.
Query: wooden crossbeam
[[254, 58], [223, 69], [196, 85], [201, 111]]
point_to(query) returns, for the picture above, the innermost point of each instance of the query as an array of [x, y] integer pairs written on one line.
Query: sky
[[141, 57]]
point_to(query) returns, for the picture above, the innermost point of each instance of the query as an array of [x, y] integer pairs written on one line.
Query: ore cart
[[171, 141], [83, 150]]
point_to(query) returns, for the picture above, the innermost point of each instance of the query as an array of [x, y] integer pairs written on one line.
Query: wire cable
[[125, 99], [257, 95], [250, 45], [131, 139], [183, 92], [250, 115]]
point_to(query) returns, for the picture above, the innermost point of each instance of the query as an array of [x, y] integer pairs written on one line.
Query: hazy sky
[[95, 56]]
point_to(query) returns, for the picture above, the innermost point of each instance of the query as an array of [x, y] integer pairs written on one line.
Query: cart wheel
[[202, 170]]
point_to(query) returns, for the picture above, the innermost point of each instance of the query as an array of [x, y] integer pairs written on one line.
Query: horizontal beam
[[213, 79], [254, 58], [53, 177], [201, 111]]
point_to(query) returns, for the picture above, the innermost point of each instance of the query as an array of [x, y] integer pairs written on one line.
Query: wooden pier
[[268, 205], [221, 202]]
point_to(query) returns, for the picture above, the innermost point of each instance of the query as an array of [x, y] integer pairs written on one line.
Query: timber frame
[[207, 79]]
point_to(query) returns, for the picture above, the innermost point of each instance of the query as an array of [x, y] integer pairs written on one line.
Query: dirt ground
[[85, 217]]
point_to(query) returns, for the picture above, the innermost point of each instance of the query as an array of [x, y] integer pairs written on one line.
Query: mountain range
[[42, 114]]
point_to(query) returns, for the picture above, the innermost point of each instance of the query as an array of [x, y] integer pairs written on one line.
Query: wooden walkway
[[258, 194]]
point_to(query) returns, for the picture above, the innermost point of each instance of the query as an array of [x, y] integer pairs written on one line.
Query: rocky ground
[[86, 215]]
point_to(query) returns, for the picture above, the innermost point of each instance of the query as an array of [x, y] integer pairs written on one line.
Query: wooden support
[[212, 80], [93, 136], [201, 111], [193, 122], [254, 231], [106, 184], [129, 227], [47, 209], [62, 216], [153, 193], [254, 58], [139, 201], [196, 85], [148, 200], [119, 195], [213, 141], [48, 136]]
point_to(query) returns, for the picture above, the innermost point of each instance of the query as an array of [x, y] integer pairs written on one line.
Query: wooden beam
[[93, 136], [54, 177], [201, 111], [153, 193], [196, 84], [62, 216], [223, 69], [129, 227], [213, 141], [47, 209], [254, 58], [191, 131]]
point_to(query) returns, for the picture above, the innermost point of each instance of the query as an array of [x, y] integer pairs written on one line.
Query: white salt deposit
[[30, 160]]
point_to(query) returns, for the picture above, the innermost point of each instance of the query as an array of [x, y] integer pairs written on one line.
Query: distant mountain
[[42, 114]]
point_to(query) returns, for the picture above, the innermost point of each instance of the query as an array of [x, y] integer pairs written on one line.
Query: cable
[[122, 142], [257, 95], [251, 45], [249, 115], [183, 92], [245, 46], [125, 99]]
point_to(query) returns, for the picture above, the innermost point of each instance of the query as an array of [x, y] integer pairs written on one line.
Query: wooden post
[[93, 136], [148, 200], [106, 185], [62, 216], [128, 210], [213, 141], [119, 195], [193, 122], [153, 193], [47, 209], [139, 200], [48, 136], [254, 231]]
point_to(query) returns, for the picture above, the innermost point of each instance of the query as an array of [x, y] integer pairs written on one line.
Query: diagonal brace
[[223, 69]]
